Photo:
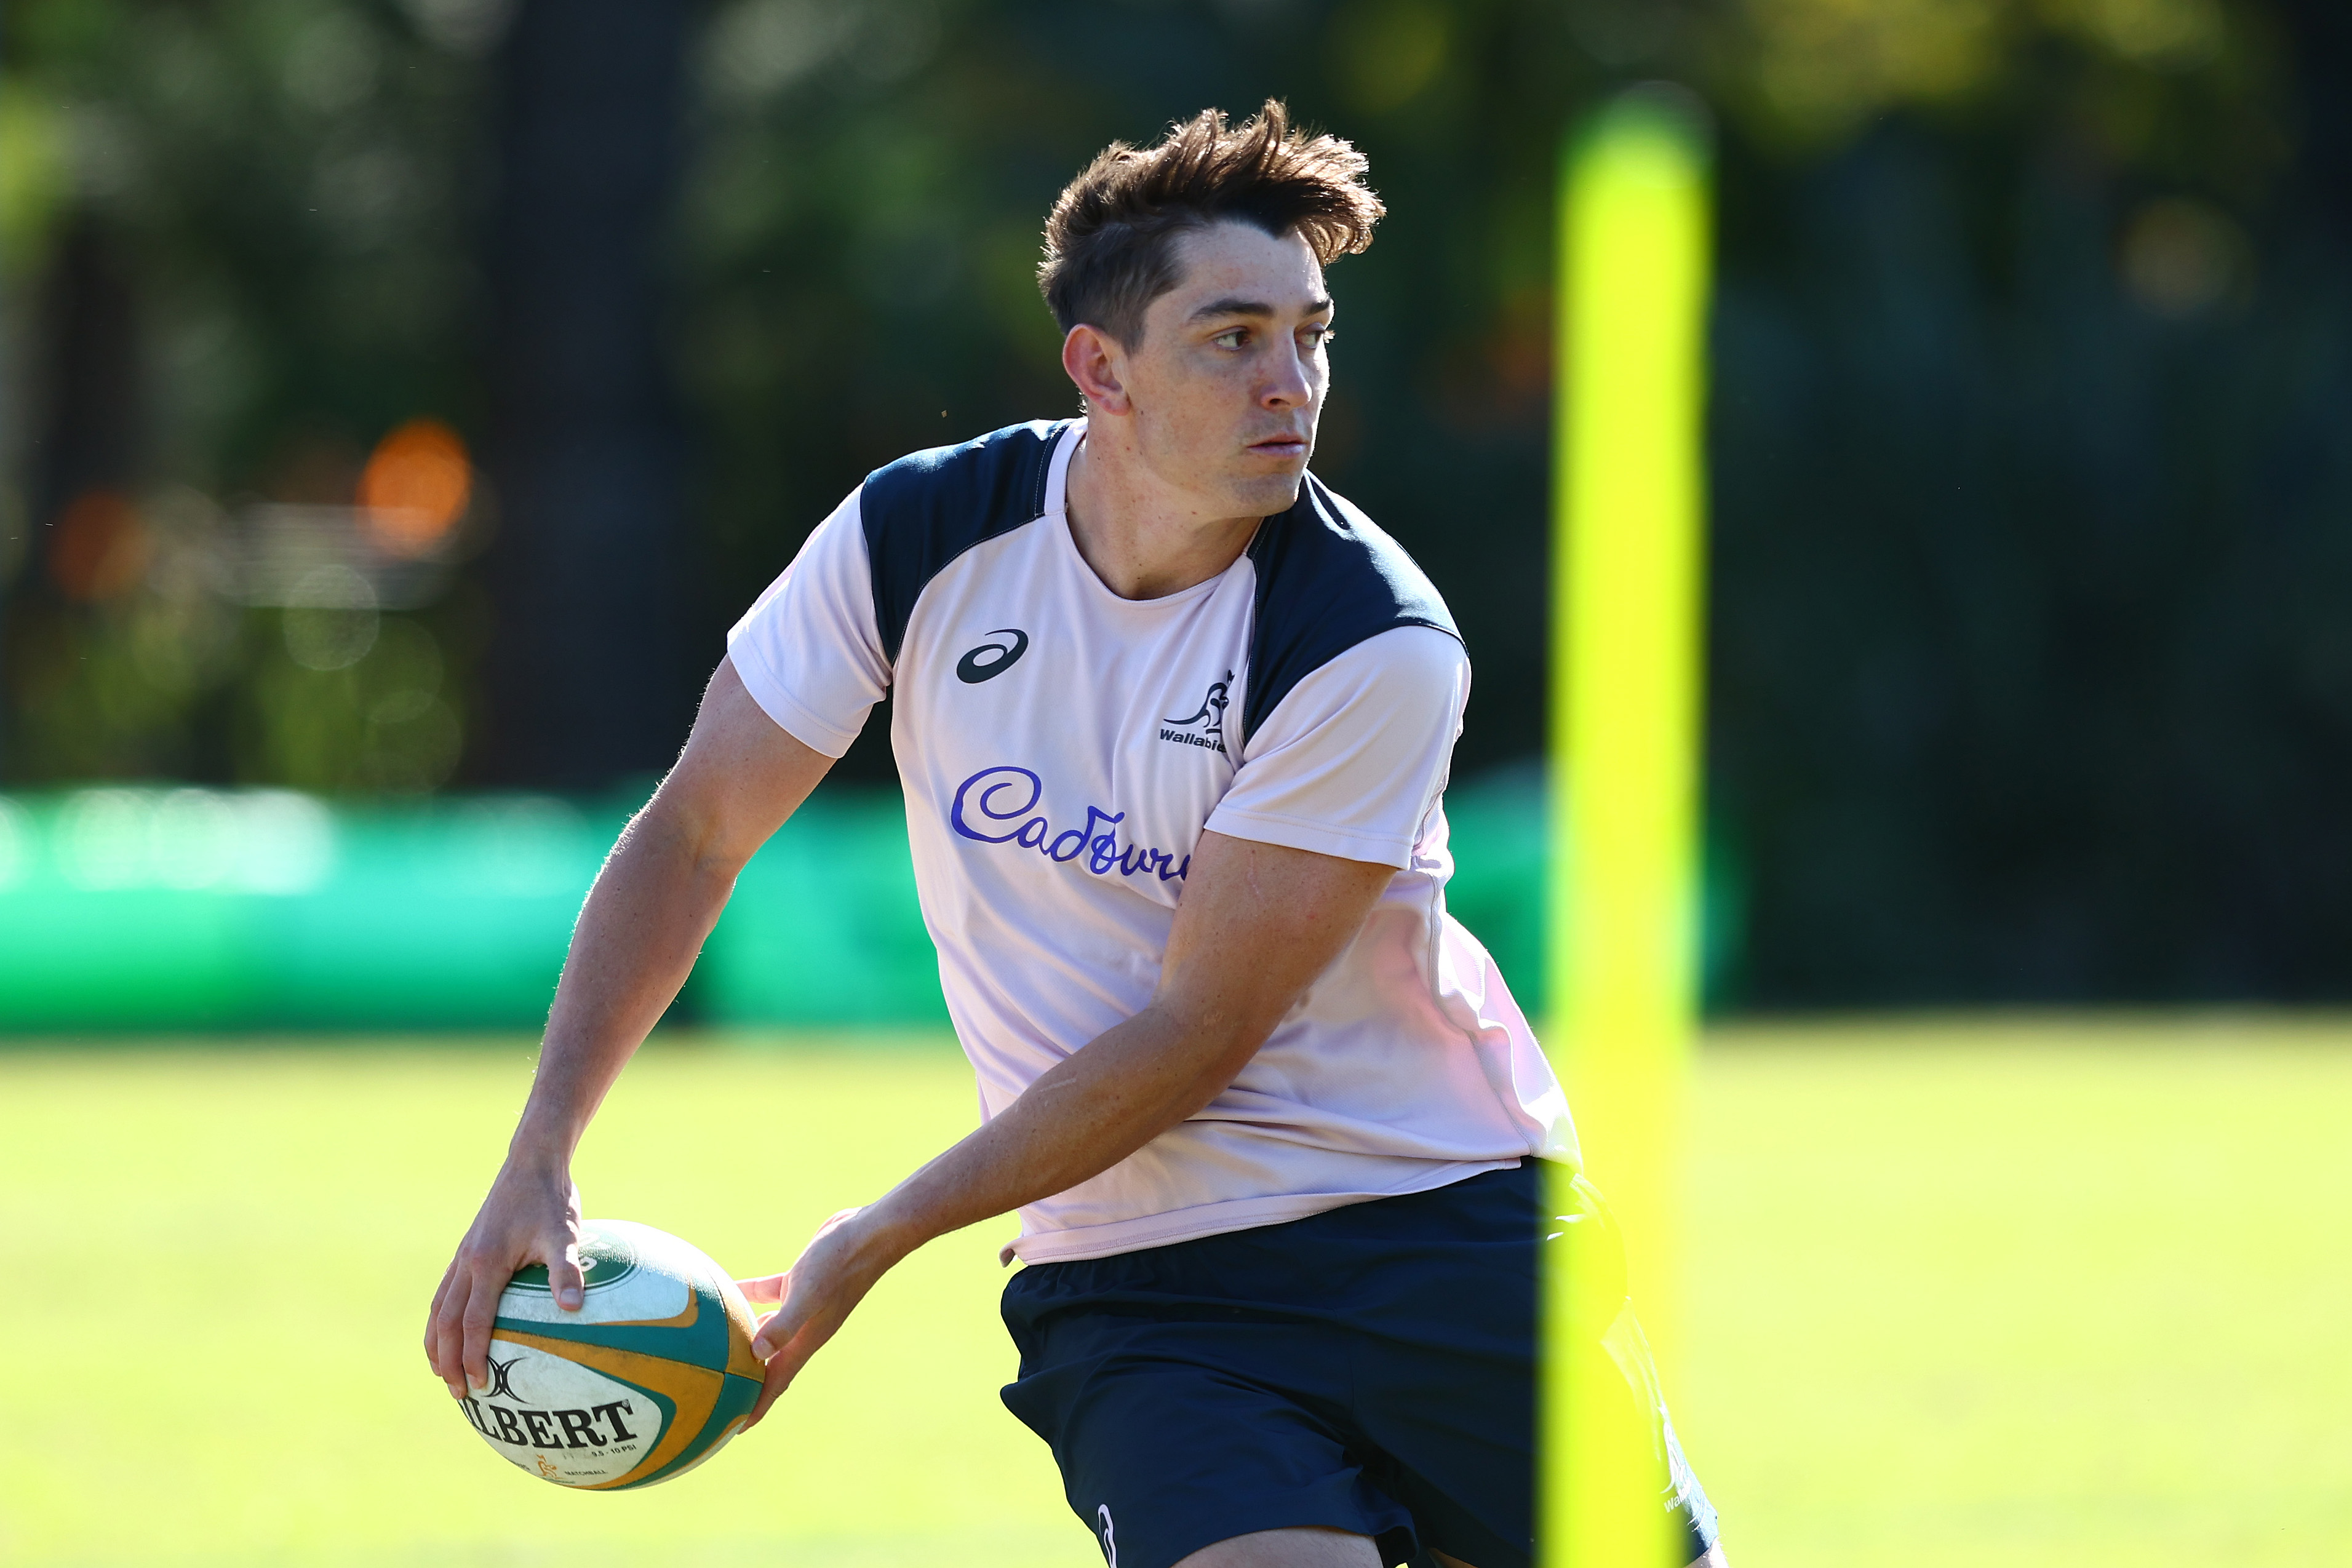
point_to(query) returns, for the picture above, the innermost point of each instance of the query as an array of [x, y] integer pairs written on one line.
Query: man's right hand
[[646, 918], [530, 1217]]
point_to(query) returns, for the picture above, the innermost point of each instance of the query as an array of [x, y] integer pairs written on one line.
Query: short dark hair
[[1110, 240]]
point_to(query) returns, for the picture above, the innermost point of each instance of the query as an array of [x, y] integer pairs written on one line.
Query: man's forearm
[[1131, 1084], [645, 921], [1127, 1085], [1257, 924], [656, 898]]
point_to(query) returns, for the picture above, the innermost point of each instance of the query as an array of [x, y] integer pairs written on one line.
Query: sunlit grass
[[2040, 1293], [236, 1253], [2026, 1294]]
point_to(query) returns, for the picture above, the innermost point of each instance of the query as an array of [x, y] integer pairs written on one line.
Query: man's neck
[[1144, 538]]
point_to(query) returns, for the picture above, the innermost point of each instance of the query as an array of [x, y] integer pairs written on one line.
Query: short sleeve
[[1352, 759], [808, 650]]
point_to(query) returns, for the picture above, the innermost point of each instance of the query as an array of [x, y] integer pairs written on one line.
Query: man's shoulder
[[1001, 474], [1328, 579], [921, 512]]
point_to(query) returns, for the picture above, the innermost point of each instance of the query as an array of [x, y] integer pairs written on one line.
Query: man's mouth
[[1284, 445]]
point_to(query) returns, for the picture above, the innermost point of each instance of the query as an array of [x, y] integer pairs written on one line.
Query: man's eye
[[1232, 340], [1322, 336]]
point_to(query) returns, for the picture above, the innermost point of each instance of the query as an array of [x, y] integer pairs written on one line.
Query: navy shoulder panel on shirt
[[1328, 579], [926, 509]]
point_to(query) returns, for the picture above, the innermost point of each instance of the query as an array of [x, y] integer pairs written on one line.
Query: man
[[1173, 722]]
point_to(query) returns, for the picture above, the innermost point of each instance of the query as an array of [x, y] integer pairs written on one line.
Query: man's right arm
[[655, 900]]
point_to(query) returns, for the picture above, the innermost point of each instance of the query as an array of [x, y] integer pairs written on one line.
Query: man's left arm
[[1257, 923]]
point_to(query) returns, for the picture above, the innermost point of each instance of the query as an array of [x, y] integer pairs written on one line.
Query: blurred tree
[[86, 358], [2033, 352], [2023, 669], [2319, 34], [592, 683], [2029, 674], [236, 247]]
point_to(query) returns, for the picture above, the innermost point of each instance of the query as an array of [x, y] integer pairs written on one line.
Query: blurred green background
[[136, 907], [399, 399], [2032, 357]]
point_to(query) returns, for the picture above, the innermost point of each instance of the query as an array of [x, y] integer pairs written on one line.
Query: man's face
[[1230, 378]]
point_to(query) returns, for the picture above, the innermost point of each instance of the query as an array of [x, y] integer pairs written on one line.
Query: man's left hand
[[807, 1303]]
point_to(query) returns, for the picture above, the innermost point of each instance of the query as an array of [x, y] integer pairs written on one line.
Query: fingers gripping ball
[[649, 1379]]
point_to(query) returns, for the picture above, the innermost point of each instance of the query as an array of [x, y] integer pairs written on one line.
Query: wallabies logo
[[1210, 719]]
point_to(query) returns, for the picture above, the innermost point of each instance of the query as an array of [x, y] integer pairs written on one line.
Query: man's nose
[[1289, 383]]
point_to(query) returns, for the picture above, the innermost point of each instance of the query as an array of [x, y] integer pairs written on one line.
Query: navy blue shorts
[[1370, 1369]]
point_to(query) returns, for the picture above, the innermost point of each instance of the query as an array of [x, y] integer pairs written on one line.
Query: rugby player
[[1173, 721]]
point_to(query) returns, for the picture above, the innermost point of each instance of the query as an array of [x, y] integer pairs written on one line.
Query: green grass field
[[2027, 1292]]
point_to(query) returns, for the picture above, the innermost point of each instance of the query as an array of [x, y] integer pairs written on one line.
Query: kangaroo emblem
[[1213, 708]]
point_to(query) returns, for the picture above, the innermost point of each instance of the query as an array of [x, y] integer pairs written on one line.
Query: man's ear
[[1098, 365]]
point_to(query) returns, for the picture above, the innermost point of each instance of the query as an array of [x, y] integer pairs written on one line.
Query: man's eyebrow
[[1233, 305]]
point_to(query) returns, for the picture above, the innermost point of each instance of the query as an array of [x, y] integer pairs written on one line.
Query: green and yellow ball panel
[[649, 1379]]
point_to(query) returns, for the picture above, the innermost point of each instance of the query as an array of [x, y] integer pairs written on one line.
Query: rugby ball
[[649, 1378]]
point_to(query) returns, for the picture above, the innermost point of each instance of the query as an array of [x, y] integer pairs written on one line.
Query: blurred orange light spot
[[415, 487], [101, 548]]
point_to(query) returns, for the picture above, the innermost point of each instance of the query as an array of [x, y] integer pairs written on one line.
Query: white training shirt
[[1062, 749]]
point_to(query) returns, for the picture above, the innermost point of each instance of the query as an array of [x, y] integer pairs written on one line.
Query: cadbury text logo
[[999, 795]]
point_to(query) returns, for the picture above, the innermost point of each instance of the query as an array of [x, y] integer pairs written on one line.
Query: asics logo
[[991, 660]]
